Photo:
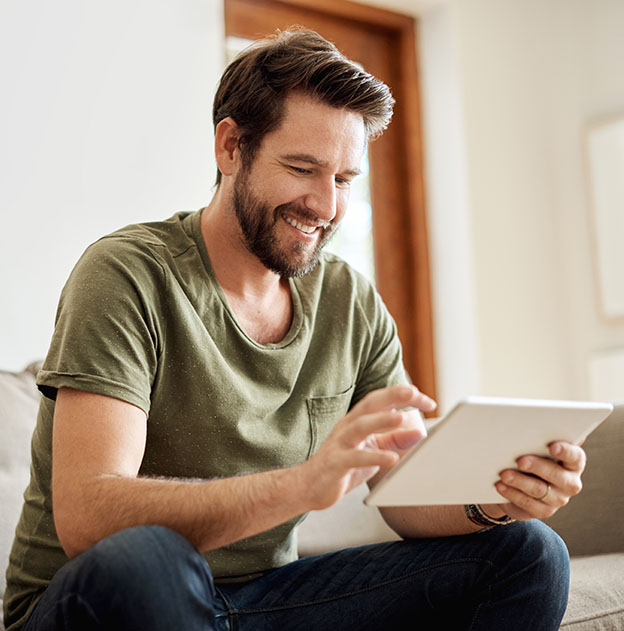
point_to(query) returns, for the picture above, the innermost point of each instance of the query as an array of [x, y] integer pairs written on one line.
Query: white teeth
[[300, 226]]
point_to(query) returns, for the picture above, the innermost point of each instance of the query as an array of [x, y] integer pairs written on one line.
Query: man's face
[[290, 200]]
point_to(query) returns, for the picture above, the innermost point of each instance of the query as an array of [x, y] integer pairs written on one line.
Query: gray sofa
[[592, 524]]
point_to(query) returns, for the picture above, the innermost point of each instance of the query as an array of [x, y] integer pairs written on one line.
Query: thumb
[[400, 439]]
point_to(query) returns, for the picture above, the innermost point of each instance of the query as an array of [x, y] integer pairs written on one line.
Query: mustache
[[302, 214]]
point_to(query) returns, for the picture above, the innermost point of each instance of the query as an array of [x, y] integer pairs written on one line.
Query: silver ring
[[546, 493]]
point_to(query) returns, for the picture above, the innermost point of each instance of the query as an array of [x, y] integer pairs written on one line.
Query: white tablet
[[460, 460]]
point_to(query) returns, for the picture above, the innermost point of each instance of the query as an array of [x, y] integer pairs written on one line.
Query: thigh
[[464, 582]]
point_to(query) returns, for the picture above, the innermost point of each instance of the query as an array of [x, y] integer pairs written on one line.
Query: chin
[[289, 268]]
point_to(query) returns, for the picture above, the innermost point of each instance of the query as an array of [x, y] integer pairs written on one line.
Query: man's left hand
[[540, 486]]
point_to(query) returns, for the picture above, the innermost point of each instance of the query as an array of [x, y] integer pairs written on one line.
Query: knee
[[138, 540], [543, 553], [147, 577], [145, 558]]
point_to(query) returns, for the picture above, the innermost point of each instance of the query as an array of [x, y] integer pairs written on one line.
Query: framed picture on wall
[[604, 145]]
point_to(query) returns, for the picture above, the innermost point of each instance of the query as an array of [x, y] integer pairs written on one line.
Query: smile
[[300, 226]]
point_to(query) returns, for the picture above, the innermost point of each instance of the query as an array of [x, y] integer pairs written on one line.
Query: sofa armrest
[[592, 522], [19, 401]]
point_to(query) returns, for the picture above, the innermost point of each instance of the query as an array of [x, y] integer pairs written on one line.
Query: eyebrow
[[310, 159]]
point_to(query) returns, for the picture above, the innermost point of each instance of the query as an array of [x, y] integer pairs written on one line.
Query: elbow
[[71, 531], [71, 540], [72, 551]]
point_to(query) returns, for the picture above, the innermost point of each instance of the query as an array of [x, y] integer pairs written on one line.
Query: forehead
[[331, 134]]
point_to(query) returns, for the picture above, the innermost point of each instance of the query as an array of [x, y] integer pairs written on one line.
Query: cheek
[[276, 191]]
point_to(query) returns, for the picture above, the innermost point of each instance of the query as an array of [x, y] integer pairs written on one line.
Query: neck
[[260, 299], [237, 270]]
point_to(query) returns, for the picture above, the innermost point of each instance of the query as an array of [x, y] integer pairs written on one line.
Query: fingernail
[[525, 463], [507, 476]]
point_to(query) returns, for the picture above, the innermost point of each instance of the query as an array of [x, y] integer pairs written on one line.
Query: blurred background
[[496, 252]]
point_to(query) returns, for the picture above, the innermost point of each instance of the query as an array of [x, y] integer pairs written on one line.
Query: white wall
[[105, 120], [527, 77], [451, 234], [510, 67], [597, 48]]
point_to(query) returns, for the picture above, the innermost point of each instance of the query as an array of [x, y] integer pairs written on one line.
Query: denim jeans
[[510, 577]]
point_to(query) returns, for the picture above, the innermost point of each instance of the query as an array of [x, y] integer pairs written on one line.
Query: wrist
[[477, 515], [493, 510], [303, 486]]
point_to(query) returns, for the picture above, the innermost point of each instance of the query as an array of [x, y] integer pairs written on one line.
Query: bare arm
[[98, 446]]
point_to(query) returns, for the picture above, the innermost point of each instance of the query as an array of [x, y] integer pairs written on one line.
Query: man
[[214, 377]]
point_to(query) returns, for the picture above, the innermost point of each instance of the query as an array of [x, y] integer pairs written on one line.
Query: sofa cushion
[[348, 523], [596, 594], [592, 522], [19, 401]]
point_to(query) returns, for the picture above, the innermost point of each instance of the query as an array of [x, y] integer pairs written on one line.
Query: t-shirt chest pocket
[[324, 413]]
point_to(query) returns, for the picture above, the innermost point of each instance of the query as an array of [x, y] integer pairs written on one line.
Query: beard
[[259, 223]]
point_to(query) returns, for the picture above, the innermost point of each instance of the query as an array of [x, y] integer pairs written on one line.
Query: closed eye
[[299, 170], [343, 182]]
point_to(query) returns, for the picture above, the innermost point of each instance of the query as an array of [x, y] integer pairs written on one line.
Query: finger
[[524, 502], [411, 431], [362, 427], [536, 488], [516, 512], [530, 485], [401, 439], [395, 397], [571, 456], [566, 480], [371, 458], [413, 419]]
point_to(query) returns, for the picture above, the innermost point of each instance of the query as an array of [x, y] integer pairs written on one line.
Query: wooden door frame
[[401, 245]]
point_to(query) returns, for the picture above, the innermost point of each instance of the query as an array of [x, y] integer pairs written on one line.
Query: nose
[[321, 200]]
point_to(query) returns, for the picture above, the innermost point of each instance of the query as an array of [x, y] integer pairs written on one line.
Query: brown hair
[[254, 87]]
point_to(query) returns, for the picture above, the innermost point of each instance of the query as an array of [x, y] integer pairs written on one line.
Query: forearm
[[427, 521], [210, 514], [415, 522], [433, 521]]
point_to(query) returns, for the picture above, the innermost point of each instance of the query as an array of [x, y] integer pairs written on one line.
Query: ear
[[227, 152]]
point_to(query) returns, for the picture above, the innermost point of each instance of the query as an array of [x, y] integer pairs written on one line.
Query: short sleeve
[[383, 363], [106, 338]]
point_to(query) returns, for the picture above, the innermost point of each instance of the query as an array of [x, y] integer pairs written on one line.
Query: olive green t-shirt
[[143, 319]]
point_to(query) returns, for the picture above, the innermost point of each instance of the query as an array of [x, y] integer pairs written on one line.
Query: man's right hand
[[369, 439]]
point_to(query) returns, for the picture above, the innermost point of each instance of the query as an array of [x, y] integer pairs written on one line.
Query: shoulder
[[137, 249], [335, 287], [342, 280], [337, 275], [172, 235]]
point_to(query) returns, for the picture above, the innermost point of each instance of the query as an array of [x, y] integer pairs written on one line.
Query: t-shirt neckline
[[194, 219]]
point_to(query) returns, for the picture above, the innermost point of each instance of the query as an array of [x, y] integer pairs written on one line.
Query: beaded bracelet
[[476, 515]]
